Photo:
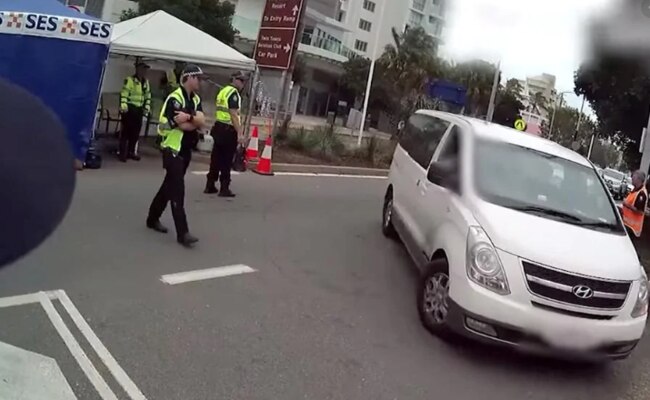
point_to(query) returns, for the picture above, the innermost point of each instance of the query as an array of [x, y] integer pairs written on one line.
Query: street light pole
[[371, 73], [561, 96], [493, 95], [575, 134]]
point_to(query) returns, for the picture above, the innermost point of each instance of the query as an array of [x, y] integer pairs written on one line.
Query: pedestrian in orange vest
[[635, 204]]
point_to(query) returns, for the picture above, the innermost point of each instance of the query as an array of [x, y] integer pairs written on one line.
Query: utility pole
[[493, 95], [371, 73]]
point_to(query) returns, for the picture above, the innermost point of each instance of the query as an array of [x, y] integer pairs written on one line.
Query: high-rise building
[[538, 98], [361, 18]]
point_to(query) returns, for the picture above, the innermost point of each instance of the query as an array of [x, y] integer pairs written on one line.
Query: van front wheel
[[433, 298]]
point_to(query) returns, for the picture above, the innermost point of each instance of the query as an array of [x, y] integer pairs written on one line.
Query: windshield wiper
[[550, 212], [605, 225]]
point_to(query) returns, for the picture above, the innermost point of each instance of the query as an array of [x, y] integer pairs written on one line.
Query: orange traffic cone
[[264, 165], [253, 145]]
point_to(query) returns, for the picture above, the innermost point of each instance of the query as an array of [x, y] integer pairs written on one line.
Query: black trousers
[[172, 190], [131, 125], [223, 154]]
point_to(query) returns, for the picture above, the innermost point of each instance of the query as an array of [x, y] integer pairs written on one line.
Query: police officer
[[180, 117], [227, 132], [172, 77], [135, 104]]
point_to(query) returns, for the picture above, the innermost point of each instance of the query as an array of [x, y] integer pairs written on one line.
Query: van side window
[[421, 137], [451, 147]]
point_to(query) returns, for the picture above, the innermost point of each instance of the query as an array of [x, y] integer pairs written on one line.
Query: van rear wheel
[[387, 226]]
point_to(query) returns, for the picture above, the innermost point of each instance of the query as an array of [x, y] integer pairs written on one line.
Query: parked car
[[616, 182], [517, 240]]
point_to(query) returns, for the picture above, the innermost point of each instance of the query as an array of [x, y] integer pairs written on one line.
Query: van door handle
[[418, 183]]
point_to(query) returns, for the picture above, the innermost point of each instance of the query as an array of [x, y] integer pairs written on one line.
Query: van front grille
[[575, 289]]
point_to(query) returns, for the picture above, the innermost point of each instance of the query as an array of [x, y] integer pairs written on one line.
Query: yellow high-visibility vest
[[223, 110], [135, 93], [173, 137]]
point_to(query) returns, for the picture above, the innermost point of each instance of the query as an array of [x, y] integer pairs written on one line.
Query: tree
[[605, 154], [539, 103], [409, 61], [508, 103], [355, 78], [618, 91], [564, 128], [213, 17], [478, 77]]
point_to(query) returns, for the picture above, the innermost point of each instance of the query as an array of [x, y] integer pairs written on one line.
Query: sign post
[[277, 41]]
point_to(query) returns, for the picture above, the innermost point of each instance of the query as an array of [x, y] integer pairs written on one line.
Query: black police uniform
[[173, 187], [223, 153]]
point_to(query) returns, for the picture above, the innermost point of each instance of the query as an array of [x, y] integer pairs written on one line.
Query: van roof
[[509, 135]]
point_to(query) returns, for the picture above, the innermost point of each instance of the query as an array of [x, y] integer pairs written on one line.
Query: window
[[419, 5], [369, 5], [415, 19], [341, 16], [365, 25], [361, 45], [421, 137], [451, 147]]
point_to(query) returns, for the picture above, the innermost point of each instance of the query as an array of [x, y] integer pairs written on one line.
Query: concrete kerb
[[203, 158]]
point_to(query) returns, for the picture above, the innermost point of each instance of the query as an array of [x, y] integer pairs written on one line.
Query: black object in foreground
[[37, 177]]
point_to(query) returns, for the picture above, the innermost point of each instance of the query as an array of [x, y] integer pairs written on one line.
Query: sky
[[528, 37]]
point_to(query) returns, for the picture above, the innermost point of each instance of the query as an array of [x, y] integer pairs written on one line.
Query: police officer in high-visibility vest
[[635, 204], [135, 104], [180, 117], [172, 77], [227, 132]]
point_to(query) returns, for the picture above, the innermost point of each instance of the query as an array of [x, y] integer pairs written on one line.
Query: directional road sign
[[278, 32]]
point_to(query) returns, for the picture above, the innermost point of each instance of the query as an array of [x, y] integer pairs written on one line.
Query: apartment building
[[361, 17], [533, 113]]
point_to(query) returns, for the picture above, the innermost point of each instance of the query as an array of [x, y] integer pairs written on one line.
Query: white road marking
[[75, 349], [203, 274], [120, 376], [19, 300], [310, 174], [206, 172], [28, 375]]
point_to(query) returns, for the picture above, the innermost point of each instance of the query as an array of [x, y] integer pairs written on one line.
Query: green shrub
[[296, 139]]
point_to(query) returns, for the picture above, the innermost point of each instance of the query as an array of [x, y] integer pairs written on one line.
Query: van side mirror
[[445, 174], [400, 126]]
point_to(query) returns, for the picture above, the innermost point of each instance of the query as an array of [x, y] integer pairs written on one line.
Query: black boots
[[225, 192], [187, 240], [156, 226], [210, 188]]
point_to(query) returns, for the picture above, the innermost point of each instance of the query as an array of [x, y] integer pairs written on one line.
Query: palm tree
[[477, 76], [539, 103]]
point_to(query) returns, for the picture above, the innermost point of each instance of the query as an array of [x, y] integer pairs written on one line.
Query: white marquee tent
[[159, 35]]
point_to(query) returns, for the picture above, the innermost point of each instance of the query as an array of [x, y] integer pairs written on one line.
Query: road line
[[206, 172], [23, 299], [203, 274], [77, 352], [310, 174], [120, 375], [314, 174]]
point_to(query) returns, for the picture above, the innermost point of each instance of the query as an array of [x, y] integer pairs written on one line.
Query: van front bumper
[[526, 340]]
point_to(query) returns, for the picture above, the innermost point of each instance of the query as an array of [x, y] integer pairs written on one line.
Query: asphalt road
[[328, 314]]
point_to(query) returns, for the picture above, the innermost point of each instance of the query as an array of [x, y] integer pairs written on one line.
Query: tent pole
[[251, 103]]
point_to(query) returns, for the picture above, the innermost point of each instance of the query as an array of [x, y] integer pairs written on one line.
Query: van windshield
[[542, 184]]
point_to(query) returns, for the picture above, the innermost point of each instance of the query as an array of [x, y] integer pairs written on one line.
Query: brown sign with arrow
[[277, 36]]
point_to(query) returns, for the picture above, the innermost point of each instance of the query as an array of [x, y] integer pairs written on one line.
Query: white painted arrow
[[295, 10], [30, 376], [287, 48]]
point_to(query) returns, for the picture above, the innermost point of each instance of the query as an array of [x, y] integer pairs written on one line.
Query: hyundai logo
[[582, 291]]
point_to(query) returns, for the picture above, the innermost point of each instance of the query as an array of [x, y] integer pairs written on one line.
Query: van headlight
[[483, 264], [641, 305]]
